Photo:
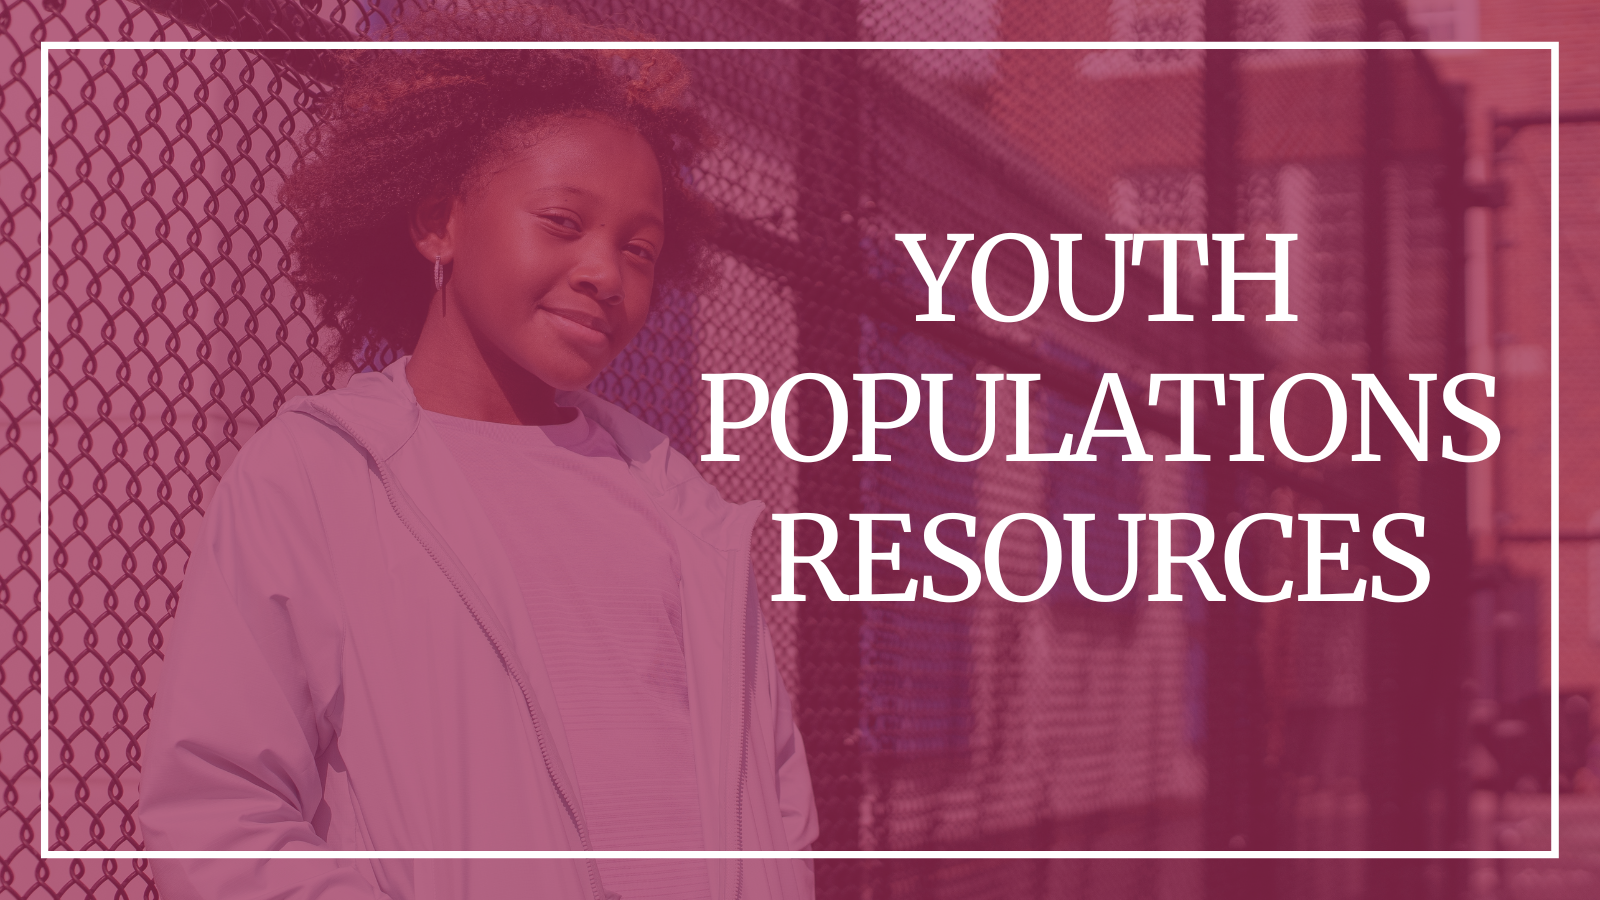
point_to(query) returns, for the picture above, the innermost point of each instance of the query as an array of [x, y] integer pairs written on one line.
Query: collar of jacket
[[382, 408]]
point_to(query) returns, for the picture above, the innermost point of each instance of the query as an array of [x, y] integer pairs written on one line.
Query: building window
[[1444, 20]]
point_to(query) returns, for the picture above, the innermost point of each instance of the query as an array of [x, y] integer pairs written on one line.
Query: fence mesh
[[983, 724]]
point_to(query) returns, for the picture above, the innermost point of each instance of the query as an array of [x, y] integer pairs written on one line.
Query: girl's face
[[553, 249]]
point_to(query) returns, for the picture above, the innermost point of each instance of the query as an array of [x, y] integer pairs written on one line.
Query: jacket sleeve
[[231, 760], [796, 802]]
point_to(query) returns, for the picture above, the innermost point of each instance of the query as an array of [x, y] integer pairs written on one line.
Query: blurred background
[[1419, 184]]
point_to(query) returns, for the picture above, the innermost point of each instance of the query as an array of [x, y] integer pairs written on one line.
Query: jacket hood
[[381, 413]]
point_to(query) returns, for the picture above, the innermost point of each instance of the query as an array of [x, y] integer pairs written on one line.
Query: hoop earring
[[438, 280]]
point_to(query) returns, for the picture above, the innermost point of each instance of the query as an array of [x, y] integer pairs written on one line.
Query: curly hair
[[405, 125]]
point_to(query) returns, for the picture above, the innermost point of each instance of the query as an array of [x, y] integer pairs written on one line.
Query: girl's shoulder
[[679, 488], [372, 414], [317, 440]]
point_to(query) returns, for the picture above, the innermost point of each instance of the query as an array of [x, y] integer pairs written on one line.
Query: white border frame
[[46, 813]]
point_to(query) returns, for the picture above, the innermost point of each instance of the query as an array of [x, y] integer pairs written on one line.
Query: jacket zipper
[[538, 728], [747, 688]]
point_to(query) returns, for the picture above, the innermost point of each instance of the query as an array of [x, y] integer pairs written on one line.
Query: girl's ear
[[430, 227]]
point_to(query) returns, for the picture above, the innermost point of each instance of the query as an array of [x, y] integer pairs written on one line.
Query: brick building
[[1507, 101], [1148, 171], [1508, 106]]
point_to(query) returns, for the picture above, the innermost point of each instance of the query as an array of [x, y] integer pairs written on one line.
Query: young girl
[[461, 603]]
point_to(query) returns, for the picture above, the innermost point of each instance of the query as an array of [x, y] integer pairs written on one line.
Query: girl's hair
[[405, 125]]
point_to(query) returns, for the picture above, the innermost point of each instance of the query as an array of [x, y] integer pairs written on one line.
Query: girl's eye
[[642, 251], [562, 221]]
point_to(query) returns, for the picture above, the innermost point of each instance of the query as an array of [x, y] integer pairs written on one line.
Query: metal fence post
[[1237, 804], [828, 148]]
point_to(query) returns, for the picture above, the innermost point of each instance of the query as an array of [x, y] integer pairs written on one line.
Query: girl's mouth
[[593, 323]]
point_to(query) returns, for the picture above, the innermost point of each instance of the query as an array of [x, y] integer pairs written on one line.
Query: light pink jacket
[[352, 667]]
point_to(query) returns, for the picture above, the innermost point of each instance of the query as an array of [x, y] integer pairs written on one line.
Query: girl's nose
[[598, 273]]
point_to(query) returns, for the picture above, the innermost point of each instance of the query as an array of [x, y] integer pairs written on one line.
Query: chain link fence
[[983, 724]]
